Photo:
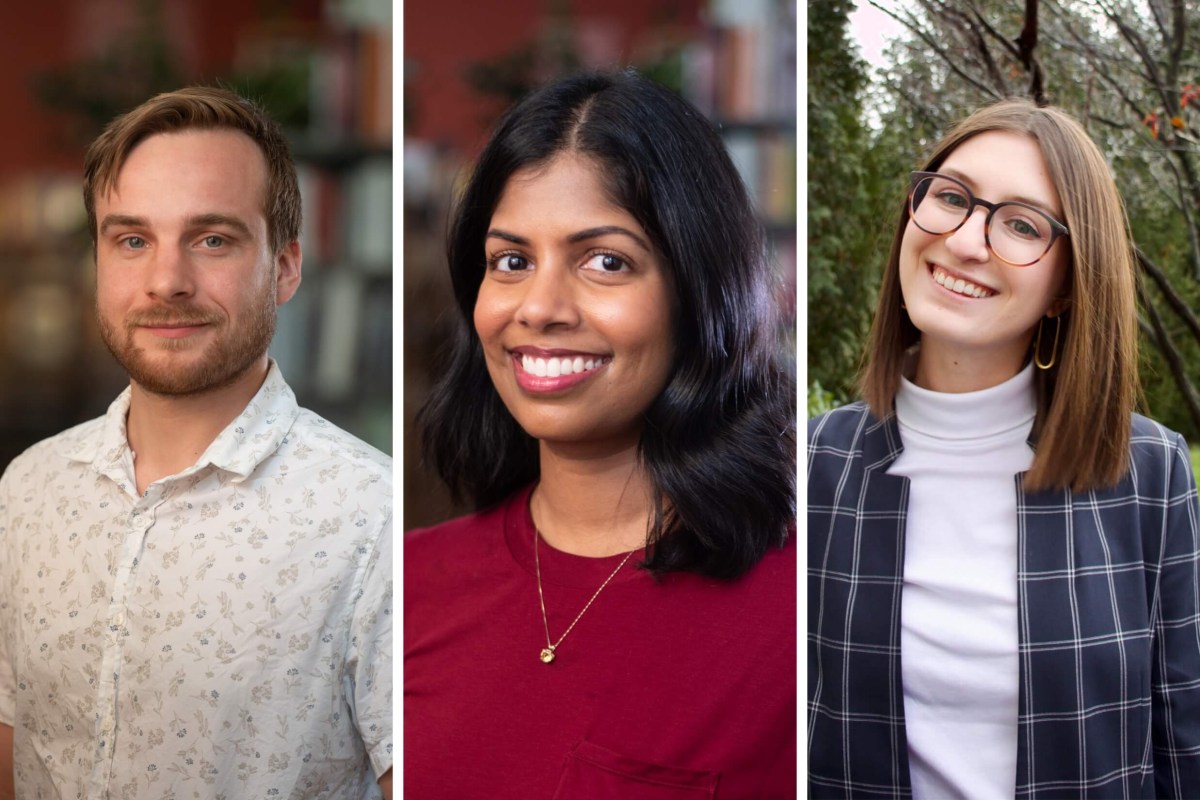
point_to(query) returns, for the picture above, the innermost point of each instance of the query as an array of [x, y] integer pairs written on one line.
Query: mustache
[[184, 314]]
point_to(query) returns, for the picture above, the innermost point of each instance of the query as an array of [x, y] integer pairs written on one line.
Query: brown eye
[[511, 263], [607, 262]]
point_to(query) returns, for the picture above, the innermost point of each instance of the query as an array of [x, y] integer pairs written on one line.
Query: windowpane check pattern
[[1109, 622]]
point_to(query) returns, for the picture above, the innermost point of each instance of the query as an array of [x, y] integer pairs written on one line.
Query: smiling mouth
[[959, 285], [556, 366]]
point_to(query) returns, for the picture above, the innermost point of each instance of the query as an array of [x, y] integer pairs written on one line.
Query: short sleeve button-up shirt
[[226, 634]]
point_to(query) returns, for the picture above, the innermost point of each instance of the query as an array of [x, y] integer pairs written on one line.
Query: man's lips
[[173, 331]]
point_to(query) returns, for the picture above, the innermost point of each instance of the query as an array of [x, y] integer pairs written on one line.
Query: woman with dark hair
[[1003, 557], [618, 618]]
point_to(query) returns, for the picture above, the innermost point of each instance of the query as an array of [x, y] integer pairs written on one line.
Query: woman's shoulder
[[1147, 433], [466, 524], [1158, 455], [840, 423], [463, 539]]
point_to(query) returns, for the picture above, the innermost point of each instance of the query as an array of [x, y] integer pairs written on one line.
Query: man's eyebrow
[[123, 221], [206, 220], [198, 221]]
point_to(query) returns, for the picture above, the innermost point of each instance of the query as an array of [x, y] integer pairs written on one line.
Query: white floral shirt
[[225, 635]]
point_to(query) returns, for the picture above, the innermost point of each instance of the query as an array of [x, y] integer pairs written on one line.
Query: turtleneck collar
[[997, 410]]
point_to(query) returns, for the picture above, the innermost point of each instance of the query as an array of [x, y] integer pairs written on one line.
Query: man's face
[[186, 284]]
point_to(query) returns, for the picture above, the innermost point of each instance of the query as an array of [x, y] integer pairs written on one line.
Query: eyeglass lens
[[1017, 234]]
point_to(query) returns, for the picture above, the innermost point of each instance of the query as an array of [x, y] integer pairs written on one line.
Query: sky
[[872, 29]]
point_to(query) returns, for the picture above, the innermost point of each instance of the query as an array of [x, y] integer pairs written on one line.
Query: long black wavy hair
[[719, 442]]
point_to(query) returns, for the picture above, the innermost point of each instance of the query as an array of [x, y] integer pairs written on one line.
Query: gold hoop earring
[[1037, 345]]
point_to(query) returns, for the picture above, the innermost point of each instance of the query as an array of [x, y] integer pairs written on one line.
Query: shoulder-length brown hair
[[1085, 399]]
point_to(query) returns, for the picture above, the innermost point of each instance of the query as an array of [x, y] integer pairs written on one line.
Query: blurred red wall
[[442, 36], [36, 37]]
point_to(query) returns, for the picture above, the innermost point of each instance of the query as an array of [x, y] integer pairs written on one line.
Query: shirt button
[[106, 725], [118, 618]]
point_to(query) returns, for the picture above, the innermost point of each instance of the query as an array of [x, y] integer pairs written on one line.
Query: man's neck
[[169, 433]]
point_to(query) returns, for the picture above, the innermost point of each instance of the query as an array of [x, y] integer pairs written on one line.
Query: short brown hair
[[1085, 400], [203, 108]]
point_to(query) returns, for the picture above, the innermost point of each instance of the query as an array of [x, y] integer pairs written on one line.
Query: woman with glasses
[[1003, 594]]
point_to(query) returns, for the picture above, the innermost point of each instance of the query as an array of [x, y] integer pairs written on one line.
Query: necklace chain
[[547, 654]]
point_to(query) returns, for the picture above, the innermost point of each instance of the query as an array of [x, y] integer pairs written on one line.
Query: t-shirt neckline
[[557, 567]]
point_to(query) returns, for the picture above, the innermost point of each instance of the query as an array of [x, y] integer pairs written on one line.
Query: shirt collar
[[244, 443]]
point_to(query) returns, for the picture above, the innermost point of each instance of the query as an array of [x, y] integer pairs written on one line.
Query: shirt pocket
[[592, 772]]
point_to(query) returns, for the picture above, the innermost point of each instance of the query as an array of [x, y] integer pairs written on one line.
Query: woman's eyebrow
[[578, 236], [605, 230], [496, 233], [1042, 204]]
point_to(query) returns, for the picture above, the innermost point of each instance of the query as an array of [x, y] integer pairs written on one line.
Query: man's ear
[[287, 271]]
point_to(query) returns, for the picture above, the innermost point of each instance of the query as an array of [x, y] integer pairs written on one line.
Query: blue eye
[[213, 241], [134, 242]]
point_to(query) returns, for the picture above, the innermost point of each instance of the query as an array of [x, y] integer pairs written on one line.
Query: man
[[195, 589]]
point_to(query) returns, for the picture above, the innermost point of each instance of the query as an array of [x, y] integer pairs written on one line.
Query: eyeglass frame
[[1057, 229]]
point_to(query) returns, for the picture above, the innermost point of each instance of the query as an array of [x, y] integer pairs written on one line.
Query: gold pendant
[[547, 655]]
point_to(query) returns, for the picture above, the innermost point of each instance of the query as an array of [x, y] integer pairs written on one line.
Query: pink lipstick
[[549, 371]]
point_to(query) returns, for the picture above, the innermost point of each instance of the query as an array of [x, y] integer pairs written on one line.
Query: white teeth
[[960, 286], [555, 367]]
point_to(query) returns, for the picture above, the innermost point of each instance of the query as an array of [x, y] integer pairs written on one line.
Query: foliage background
[[1126, 70]]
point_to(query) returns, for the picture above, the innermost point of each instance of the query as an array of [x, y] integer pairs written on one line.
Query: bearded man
[[195, 589]]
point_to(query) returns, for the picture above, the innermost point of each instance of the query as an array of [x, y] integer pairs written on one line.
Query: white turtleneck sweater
[[958, 621]]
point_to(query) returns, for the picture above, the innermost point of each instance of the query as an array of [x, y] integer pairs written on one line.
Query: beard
[[233, 351]]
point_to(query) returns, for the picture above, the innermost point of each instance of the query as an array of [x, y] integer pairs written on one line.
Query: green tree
[[846, 226], [1127, 71]]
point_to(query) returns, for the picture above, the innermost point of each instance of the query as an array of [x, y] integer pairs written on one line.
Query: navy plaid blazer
[[1108, 610]]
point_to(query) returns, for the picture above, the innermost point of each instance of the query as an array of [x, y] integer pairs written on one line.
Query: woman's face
[[983, 333], [574, 311]]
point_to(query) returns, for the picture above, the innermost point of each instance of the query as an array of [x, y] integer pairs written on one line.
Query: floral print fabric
[[227, 634]]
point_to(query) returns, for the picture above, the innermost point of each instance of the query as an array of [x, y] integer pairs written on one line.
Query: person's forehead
[[1003, 165], [180, 178], [222, 149]]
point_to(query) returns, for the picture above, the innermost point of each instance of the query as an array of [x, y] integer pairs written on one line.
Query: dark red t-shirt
[[676, 690]]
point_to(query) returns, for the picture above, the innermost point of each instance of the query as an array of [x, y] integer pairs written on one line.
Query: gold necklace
[[547, 654]]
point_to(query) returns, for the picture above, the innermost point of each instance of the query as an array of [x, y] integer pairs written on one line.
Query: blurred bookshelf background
[[464, 63], [323, 69]]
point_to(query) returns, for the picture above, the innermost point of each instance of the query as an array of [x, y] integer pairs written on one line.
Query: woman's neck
[[956, 370], [593, 506]]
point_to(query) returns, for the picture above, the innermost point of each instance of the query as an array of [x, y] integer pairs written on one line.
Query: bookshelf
[[323, 69], [742, 75], [334, 338]]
